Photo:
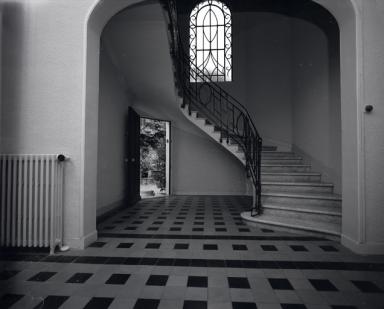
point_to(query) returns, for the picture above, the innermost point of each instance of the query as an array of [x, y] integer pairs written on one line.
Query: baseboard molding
[[363, 249], [83, 242]]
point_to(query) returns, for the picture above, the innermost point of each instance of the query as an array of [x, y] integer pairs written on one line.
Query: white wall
[[261, 75], [43, 91], [316, 108], [113, 107], [138, 39]]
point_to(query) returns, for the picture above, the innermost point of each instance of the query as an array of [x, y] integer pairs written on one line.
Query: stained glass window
[[211, 41]]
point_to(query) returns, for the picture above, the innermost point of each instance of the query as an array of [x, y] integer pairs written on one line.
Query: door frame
[[168, 152]]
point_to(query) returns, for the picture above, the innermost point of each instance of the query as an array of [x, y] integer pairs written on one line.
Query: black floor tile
[[210, 247], [197, 281], [220, 229], [79, 278], [175, 229], [293, 306], [343, 307], [267, 231], [367, 286], [7, 274], [157, 280], [195, 304], [153, 245], [181, 246], [219, 223], [239, 247], [99, 303], [268, 248], [42, 276], [125, 245], [243, 305], [137, 222], [8, 300], [197, 229], [115, 260], [298, 248], [118, 279], [157, 222], [238, 283], [130, 228], [52, 302], [244, 230], [97, 244], [329, 248], [280, 284], [146, 303], [322, 285], [152, 228]]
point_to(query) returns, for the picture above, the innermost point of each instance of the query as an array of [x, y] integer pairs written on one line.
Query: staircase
[[286, 194], [293, 197]]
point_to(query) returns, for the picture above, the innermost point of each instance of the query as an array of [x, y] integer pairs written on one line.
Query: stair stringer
[[209, 129]]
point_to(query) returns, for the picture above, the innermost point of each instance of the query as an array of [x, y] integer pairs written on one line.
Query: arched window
[[211, 41]]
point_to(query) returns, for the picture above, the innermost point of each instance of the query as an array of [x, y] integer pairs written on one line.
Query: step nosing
[[304, 184], [303, 210], [301, 195], [291, 225]]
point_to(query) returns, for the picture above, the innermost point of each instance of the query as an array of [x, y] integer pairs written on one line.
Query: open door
[[132, 158]]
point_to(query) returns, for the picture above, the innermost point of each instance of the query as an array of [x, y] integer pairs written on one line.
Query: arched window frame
[[211, 41]]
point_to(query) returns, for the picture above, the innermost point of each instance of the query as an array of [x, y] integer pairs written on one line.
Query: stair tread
[[291, 173], [316, 209], [331, 196], [309, 184], [284, 164], [296, 223]]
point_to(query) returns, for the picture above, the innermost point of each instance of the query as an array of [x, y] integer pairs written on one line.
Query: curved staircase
[[293, 197], [286, 193]]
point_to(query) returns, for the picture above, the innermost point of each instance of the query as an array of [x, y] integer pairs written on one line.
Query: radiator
[[31, 197]]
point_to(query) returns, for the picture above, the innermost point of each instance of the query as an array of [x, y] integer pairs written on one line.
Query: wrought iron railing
[[205, 96]]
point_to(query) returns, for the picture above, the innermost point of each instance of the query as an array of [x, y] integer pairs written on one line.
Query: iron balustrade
[[206, 97]]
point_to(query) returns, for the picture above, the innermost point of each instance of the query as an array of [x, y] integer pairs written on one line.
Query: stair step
[[303, 213], [291, 177], [285, 168], [293, 224], [296, 187], [277, 153], [305, 199], [269, 148], [297, 160]]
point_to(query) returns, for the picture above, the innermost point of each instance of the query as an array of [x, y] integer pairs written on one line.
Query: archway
[[346, 14]]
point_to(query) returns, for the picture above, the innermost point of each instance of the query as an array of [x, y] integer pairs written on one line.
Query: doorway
[[154, 157]]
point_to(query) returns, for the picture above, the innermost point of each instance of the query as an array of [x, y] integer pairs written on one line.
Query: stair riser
[[281, 161], [291, 178], [269, 157], [311, 218], [285, 169], [269, 148], [278, 154], [280, 200], [295, 189]]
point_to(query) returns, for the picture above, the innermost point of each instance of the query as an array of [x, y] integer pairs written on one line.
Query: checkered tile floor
[[193, 252]]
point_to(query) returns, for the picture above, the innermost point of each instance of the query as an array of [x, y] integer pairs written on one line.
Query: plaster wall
[[316, 109], [198, 164], [114, 101]]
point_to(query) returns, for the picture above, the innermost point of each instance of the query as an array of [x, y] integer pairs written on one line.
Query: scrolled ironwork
[[227, 114]]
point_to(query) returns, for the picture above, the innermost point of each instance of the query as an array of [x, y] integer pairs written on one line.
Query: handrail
[[204, 95]]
